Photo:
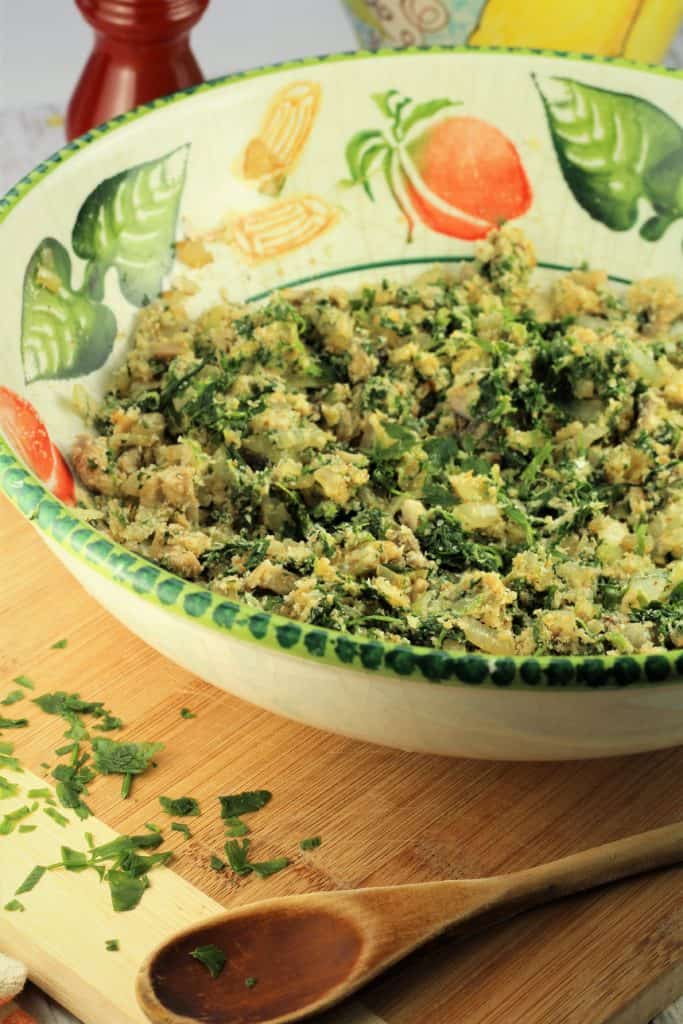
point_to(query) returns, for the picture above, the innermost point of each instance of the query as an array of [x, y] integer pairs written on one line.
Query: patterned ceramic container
[[638, 29], [297, 174]]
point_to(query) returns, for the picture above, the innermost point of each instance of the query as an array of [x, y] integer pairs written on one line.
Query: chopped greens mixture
[[466, 461]]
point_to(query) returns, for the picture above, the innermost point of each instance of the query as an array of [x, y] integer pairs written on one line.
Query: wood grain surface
[[613, 957]]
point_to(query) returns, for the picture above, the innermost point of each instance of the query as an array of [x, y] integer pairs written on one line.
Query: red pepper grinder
[[142, 51]]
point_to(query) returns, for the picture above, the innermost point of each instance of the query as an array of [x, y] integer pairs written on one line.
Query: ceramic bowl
[[260, 164]]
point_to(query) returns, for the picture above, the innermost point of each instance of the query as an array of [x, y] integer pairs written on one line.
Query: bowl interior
[[332, 169]]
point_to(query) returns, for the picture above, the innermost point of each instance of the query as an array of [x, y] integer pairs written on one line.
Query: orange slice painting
[[287, 124], [282, 226]]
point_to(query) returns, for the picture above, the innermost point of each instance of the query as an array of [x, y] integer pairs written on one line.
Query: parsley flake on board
[[59, 645], [24, 681], [181, 807], [112, 945], [14, 905], [53, 813], [310, 844], [31, 880], [127, 759], [250, 982], [266, 868], [237, 854], [235, 827], [186, 713], [217, 864], [244, 803], [211, 957], [177, 826], [13, 697], [7, 789], [9, 822], [13, 723], [10, 763]]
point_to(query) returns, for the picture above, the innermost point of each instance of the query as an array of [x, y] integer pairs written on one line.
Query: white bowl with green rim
[[593, 157]]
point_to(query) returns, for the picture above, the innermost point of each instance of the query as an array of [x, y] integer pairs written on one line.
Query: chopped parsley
[[72, 708], [14, 905], [25, 682], [186, 713], [8, 789], [237, 854], [10, 763], [9, 822], [13, 697], [59, 645], [217, 864], [310, 844], [127, 759], [177, 826], [266, 868], [181, 807], [238, 859], [244, 803], [53, 813], [112, 945], [31, 880], [13, 723], [250, 982], [235, 827], [213, 958]]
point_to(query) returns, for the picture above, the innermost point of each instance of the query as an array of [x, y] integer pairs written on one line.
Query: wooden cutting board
[[615, 957]]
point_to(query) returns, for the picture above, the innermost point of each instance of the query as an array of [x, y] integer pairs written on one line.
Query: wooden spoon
[[301, 954]]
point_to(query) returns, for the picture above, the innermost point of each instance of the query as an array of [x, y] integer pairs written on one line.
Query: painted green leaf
[[362, 151], [615, 149], [422, 111], [63, 333], [129, 222]]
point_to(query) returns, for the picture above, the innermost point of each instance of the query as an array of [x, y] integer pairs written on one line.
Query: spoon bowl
[[288, 958]]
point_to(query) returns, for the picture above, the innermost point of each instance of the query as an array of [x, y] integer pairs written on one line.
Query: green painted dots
[[288, 635], [62, 526], [434, 665], [371, 655], [47, 513], [472, 669], [258, 625], [144, 579], [402, 660], [79, 538], [224, 614], [99, 551], [315, 643], [169, 590], [592, 672], [346, 649], [196, 604], [626, 671], [504, 672], [560, 672], [531, 672], [657, 668], [121, 563], [29, 498]]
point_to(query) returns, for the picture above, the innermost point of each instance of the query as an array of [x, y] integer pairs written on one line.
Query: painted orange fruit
[[462, 177], [27, 434]]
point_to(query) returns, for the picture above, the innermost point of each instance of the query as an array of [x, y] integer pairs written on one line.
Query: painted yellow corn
[[284, 131], [284, 225]]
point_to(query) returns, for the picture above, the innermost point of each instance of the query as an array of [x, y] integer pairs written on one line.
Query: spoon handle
[[658, 848]]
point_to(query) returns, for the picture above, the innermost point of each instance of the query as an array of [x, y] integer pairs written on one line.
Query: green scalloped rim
[[156, 585]]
